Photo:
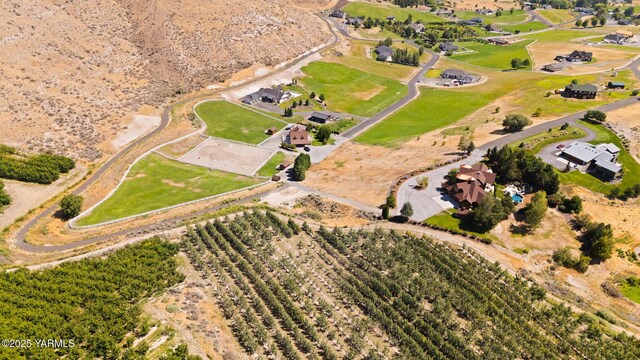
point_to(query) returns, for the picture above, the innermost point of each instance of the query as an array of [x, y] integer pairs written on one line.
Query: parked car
[[561, 146], [307, 149]]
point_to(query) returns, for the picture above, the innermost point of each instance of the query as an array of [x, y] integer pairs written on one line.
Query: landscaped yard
[[535, 143], [382, 11], [156, 182], [530, 26], [446, 220], [433, 109], [351, 91], [314, 105], [556, 16], [269, 169], [492, 56], [631, 167], [234, 122], [505, 18]]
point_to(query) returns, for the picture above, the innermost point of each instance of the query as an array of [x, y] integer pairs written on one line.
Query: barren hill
[[72, 72]]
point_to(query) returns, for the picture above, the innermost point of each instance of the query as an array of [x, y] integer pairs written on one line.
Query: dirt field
[[190, 309], [365, 173], [139, 126], [180, 148], [479, 4], [228, 156], [543, 53], [627, 122]]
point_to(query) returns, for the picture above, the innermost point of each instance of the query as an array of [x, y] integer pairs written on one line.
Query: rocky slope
[[73, 72]]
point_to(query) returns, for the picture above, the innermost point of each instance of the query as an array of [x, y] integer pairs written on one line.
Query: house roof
[[580, 54], [583, 88], [384, 51], [319, 115], [470, 191], [448, 46], [612, 148], [553, 67], [417, 27], [608, 165], [582, 151], [455, 73], [476, 20], [616, 83], [298, 135], [615, 37], [479, 172], [499, 41]]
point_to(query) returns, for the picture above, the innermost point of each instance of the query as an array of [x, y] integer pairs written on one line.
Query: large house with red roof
[[472, 183]]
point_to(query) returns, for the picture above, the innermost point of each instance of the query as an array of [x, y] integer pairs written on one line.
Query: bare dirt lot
[[627, 122], [365, 173], [228, 156], [543, 53], [76, 71]]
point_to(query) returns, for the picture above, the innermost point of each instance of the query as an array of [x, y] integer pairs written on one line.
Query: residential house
[[417, 27], [583, 10], [476, 20], [600, 160], [576, 56], [337, 13], [487, 12], [492, 28], [498, 41], [619, 37], [615, 85], [445, 12], [385, 53], [624, 22], [284, 164], [461, 76], [448, 47], [269, 95], [472, 183], [354, 21], [299, 136], [322, 118], [555, 67], [576, 91]]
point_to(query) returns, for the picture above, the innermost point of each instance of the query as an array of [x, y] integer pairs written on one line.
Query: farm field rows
[[234, 122], [381, 12], [351, 91], [156, 182], [295, 292]]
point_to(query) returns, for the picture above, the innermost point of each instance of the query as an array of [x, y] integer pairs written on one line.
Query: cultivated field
[[382, 11], [350, 90], [296, 292], [492, 56], [156, 182], [235, 122]]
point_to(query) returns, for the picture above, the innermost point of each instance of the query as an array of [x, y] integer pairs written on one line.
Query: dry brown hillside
[[73, 72]]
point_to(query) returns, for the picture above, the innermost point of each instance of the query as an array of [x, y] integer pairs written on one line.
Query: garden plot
[[228, 156]]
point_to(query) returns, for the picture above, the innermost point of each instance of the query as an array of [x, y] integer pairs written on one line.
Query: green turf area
[[535, 143], [382, 11], [351, 91], [314, 105], [556, 16], [632, 292], [526, 27], [558, 35], [234, 122], [269, 169], [505, 18], [376, 34], [492, 56], [631, 167], [156, 182], [446, 220], [433, 109]]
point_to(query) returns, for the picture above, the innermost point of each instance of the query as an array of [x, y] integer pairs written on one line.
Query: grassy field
[[535, 143], [530, 26], [631, 167], [304, 96], [229, 121], [269, 169], [156, 182], [446, 220], [561, 35], [351, 91], [492, 56], [505, 18], [632, 292], [376, 34], [556, 16], [433, 109], [382, 11]]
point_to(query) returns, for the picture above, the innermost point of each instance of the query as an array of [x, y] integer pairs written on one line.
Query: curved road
[[165, 118]]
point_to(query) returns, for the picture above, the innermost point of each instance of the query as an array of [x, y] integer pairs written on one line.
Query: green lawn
[[433, 109], [314, 105], [156, 182], [632, 292], [492, 56], [351, 91], [382, 11], [631, 167], [561, 35], [229, 121], [535, 143], [446, 220], [556, 16], [530, 26], [269, 169], [505, 18]]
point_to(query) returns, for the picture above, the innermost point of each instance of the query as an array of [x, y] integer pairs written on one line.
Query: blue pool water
[[516, 198]]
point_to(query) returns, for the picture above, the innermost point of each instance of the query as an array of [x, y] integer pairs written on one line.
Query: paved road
[[430, 201], [20, 236]]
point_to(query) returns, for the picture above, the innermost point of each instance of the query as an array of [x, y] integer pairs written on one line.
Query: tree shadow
[[59, 214], [398, 219], [520, 229]]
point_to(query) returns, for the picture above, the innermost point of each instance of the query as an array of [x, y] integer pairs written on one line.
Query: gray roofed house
[[498, 41], [270, 95], [484, 11], [462, 76], [321, 118], [337, 13], [418, 27], [615, 38], [385, 53], [477, 20], [600, 159], [448, 46], [586, 91], [577, 56], [615, 85], [555, 67]]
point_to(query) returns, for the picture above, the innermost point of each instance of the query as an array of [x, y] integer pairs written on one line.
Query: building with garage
[[600, 160], [299, 136], [471, 185], [384, 52], [615, 85], [448, 47], [461, 76], [268, 95], [576, 91], [322, 118]]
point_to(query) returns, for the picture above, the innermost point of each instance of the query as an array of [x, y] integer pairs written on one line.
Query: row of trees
[[594, 21], [519, 166], [404, 57], [41, 169], [300, 167], [517, 63]]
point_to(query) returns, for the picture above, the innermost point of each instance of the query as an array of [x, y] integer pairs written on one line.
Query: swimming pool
[[516, 198]]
